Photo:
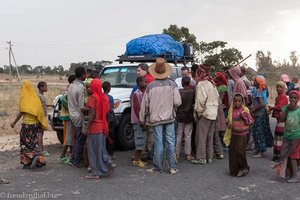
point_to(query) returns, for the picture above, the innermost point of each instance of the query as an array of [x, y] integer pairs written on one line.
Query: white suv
[[122, 78]]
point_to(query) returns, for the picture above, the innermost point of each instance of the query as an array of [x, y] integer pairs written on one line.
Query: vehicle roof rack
[[152, 58]]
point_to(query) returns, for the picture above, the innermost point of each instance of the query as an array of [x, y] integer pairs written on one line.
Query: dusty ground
[[9, 138]]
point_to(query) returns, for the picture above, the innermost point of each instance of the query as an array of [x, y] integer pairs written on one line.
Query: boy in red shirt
[[97, 129]]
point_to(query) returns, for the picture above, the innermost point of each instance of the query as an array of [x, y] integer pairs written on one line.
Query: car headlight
[[117, 103]]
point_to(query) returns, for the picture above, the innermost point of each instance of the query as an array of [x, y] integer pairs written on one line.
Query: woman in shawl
[[239, 85], [30, 108], [239, 120], [97, 129], [206, 110], [290, 152], [261, 128]]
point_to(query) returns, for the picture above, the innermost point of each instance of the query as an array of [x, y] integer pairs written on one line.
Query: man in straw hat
[[160, 100]]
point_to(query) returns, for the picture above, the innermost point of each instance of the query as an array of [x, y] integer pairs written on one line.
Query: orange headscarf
[[261, 82]]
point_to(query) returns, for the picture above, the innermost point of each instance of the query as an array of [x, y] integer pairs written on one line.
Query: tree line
[[56, 70], [214, 53]]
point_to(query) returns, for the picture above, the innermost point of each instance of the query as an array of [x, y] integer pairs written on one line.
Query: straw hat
[[160, 69]]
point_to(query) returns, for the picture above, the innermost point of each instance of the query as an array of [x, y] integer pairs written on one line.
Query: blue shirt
[[111, 103]]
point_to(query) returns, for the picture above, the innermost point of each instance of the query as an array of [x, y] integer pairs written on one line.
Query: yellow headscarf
[[31, 104], [227, 136]]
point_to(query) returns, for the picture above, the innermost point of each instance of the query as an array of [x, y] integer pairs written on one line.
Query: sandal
[[92, 177], [111, 168], [199, 161], [3, 181], [138, 163], [46, 153], [34, 162]]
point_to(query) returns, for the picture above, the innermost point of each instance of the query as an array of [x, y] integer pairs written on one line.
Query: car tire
[[125, 133], [60, 136]]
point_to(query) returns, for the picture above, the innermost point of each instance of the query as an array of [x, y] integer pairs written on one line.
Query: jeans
[[78, 146], [164, 135]]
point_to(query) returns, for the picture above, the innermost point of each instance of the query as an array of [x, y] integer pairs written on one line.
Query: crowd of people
[[207, 113]]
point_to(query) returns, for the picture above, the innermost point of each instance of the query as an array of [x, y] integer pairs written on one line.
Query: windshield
[[124, 76]]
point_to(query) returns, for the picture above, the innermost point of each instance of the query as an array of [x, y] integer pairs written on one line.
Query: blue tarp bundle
[[156, 44]]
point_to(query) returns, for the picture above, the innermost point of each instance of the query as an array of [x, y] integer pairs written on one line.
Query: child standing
[[281, 100], [112, 120], [69, 129], [42, 86], [184, 117], [97, 129], [261, 131], [31, 109], [291, 143], [140, 137], [239, 120]]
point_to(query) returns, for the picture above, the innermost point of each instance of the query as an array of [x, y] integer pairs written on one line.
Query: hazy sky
[[58, 32]]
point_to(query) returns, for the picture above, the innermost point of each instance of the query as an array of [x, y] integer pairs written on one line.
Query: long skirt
[[278, 139], [261, 132], [29, 145], [237, 154], [69, 133], [99, 160]]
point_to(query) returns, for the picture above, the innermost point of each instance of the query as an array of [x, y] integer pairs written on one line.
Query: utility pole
[[11, 54], [10, 69]]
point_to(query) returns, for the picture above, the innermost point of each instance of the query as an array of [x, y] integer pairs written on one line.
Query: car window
[[124, 76], [174, 73]]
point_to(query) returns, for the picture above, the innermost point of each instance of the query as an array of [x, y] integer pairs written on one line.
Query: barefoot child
[[30, 108], [42, 86], [290, 152], [281, 100], [69, 129], [239, 120], [140, 137], [97, 130]]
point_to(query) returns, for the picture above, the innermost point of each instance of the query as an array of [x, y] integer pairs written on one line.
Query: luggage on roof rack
[[148, 48]]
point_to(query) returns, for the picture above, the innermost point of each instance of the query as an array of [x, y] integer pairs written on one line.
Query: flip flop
[[111, 168], [3, 181], [92, 177]]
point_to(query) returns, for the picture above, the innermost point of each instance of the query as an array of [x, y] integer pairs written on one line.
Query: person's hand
[[144, 127], [84, 131], [12, 124], [291, 106]]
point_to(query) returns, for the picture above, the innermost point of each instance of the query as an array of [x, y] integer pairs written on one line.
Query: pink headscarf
[[239, 85], [235, 73], [285, 78]]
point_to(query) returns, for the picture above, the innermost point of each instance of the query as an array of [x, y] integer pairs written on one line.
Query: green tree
[[294, 58], [263, 62], [182, 35], [215, 53]]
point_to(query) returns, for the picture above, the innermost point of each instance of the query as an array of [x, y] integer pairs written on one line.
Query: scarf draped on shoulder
[[227, 136], [30, 103], [102, 102]]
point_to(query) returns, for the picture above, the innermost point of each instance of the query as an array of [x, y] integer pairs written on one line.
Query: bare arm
[[92, 115], [20, 114], [259, 106]]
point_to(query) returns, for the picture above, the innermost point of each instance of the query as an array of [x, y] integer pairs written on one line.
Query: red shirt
[[96, 124], [149, 78]]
